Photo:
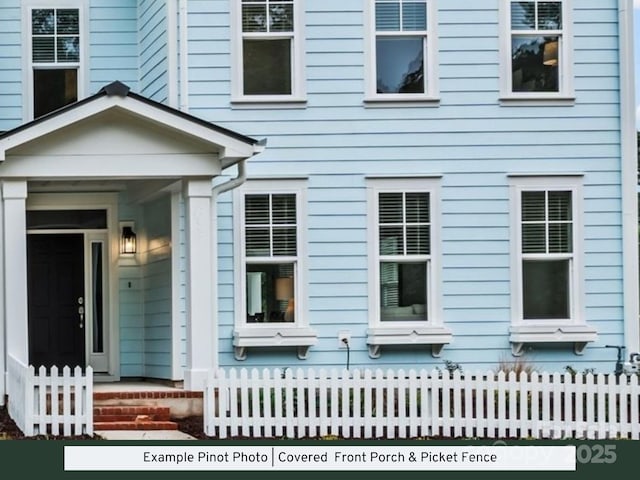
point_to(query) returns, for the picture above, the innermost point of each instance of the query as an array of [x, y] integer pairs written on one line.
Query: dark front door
[[55, 266]]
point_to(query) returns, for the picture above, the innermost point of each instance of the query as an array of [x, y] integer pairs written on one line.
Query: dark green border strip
[[595, 460]]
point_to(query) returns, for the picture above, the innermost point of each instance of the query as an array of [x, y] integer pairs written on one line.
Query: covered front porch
[[72, 183]]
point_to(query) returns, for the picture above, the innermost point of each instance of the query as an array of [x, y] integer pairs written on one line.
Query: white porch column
[[14, 224], [200, 317]]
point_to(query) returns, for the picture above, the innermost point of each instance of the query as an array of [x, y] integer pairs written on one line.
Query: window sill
[[401, 101], [515, 100], [268, 102], [579, 335], [436, 336], [247, 337]]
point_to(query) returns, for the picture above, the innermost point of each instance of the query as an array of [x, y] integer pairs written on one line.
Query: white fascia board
[[227, 145]]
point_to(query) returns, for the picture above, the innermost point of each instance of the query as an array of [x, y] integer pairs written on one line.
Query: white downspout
[[3, 319], [183, 51], [629, 169], [215, 192], [172, 53]]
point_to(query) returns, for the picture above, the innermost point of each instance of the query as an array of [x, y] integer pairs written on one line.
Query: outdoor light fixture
[[128, 241]]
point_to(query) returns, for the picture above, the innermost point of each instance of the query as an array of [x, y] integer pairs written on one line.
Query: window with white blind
[[402, 49], [271, 251], [547, 270], [55, 57], [547, 254], [404, 255], [270, 299], [538, 50], [268, 49], [404, 264]]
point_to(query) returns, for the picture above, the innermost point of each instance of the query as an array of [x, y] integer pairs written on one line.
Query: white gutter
[[183, 52], [629, 169]]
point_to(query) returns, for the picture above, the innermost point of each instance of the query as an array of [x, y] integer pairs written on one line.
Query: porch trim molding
[[14, 194], [200, 314]]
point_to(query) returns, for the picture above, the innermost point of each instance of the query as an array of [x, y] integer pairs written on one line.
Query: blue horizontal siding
[[113, 34], [336, 141], [10, 65]]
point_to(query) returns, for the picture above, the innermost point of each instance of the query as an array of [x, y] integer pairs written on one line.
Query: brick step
[[130, 413], [135, 425], [99, 397]]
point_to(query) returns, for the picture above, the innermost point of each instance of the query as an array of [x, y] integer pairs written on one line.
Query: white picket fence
[[399, 404], [50, 403]]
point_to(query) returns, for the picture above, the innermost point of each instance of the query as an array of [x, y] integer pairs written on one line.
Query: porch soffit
[[119, 134]]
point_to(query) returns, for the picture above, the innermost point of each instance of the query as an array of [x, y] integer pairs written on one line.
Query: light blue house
[[305, 183]]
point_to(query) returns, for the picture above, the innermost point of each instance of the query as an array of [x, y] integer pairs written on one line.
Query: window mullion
[[270, 197], [546, 221]]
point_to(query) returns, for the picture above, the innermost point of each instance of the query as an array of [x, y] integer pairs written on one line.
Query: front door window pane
[[66, 219], [97, 297]]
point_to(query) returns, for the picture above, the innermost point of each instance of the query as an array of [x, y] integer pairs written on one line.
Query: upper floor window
[[402, 50], [269, 50], [539, 63], [55, 58]]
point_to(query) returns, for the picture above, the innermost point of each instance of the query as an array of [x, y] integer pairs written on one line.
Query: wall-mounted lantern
[[128, 241]]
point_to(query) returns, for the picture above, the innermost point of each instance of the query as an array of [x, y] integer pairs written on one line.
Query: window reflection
[[535, 64], [270, 293], [400, 64]]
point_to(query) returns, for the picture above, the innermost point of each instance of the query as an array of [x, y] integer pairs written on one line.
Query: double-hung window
[[402, 50], [404, 306], [271, 252], [404, 249], [547, 254], [55, 57], [536, 50], [268, 50], [547, 275], [270, 306]]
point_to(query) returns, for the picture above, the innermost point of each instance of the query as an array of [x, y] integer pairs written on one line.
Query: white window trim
[[429, 332], [297, 334], [431, 95], [27, 63], [571, 330], [298, 82], [566, 94]]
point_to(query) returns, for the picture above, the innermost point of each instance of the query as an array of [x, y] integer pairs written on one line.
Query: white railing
[[50, 404], [399, 404]]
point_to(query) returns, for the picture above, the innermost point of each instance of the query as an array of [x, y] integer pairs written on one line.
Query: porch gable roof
[[230, 145]]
